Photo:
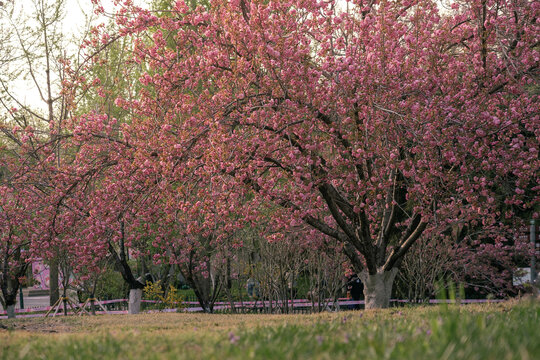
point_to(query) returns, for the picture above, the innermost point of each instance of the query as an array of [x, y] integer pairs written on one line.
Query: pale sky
[[73, 25]]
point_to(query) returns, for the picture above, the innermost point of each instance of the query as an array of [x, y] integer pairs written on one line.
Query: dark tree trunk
[[9, 286], [121, 265], [9, 293], [204, 288], [54, 290], [135, 286]]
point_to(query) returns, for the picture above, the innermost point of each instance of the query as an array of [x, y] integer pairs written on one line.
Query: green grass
[[495, 331]]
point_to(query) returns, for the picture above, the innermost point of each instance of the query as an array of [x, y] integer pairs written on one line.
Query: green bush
[[170, 300], [110, 285]]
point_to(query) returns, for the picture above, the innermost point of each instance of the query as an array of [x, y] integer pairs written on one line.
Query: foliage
[[372, 122], [110, 285], [171, 299], [22, 224], [36, 56]]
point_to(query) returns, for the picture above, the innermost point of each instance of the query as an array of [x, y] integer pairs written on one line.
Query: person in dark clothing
[[355, 288]]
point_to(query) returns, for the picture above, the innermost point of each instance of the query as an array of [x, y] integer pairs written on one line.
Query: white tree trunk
[[378, 288], [11, 311], [135, 297]]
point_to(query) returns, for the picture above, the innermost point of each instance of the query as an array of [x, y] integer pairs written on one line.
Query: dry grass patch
[[398, 333]]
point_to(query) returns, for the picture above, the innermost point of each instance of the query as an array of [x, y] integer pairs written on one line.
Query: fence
[[119, 306]]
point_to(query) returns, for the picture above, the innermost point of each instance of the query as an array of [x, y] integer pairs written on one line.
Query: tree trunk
[[11, 311], [134, 304], [93, 306], [9, 295], [64, 300], [378, 288], [205, 288], [202, 296], [54, 290], [135, 286], [231, 300]]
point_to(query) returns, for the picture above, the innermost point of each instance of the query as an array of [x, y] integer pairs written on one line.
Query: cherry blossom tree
[[16, 227], [39, 57], [101, 198], [372, 121], [131, 192], [22, 214]]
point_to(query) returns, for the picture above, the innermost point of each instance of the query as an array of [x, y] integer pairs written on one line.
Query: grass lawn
[[495, 331]]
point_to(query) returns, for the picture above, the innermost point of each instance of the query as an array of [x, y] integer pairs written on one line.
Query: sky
[[73, 25]]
